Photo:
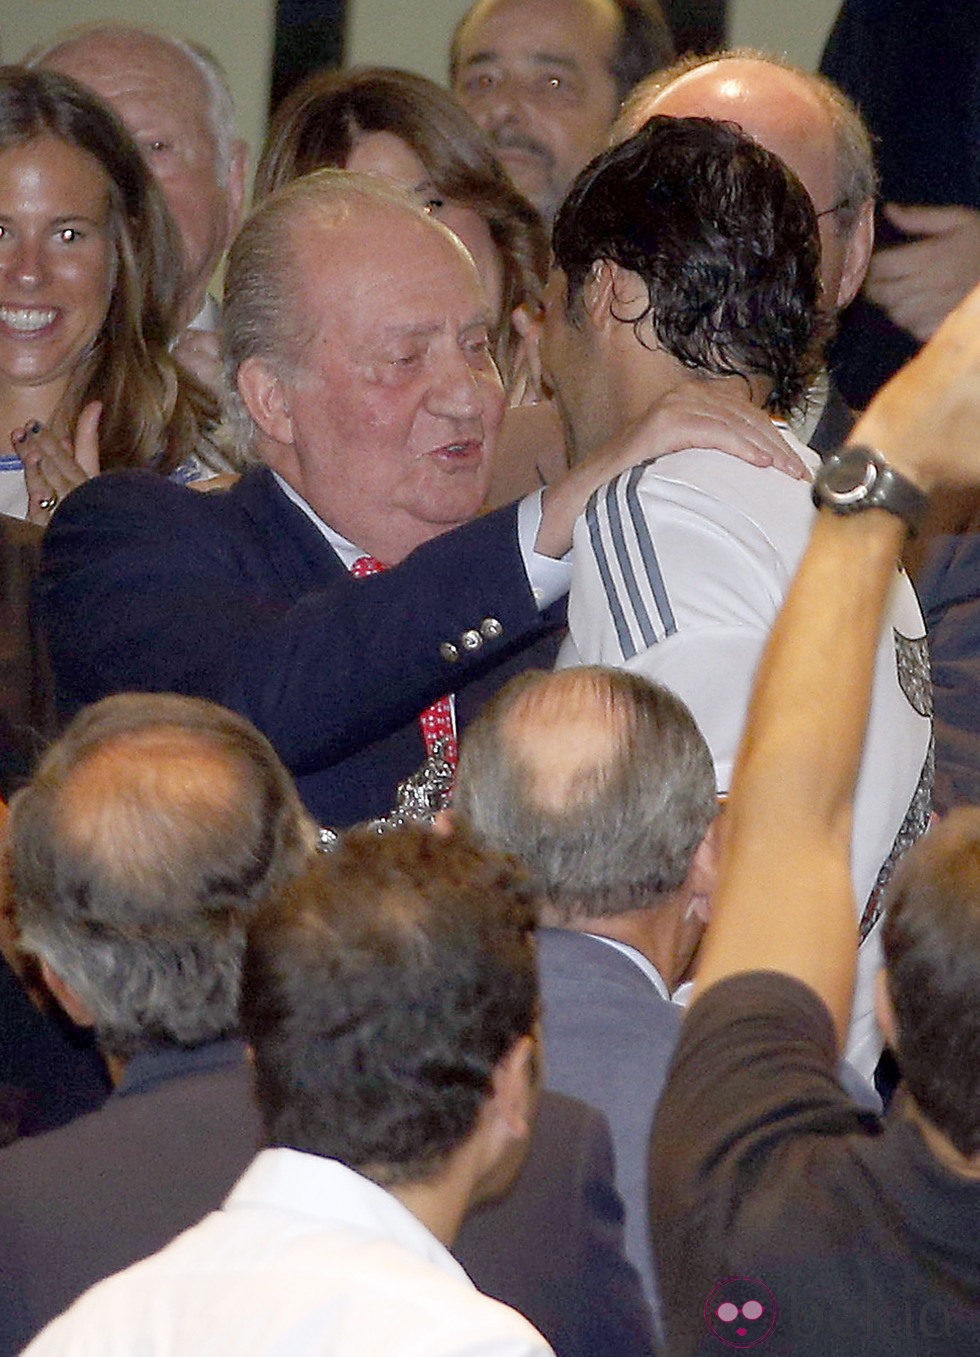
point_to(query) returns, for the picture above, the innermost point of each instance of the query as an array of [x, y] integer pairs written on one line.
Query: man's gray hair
[[220, 103], [265, 313], [149, 834], [857, 175], [598, 781]]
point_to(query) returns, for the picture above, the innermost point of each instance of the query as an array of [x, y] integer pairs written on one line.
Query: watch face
[[850, 477]]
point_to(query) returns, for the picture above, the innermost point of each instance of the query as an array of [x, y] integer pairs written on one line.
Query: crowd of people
[[492, 736]]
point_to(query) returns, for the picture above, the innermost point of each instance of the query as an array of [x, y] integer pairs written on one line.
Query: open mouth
[[27, 319], [460, 451]]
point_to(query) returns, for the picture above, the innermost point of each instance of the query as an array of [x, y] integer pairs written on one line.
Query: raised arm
[[785, 900]]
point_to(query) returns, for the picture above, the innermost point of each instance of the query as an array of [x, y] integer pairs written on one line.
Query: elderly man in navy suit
[[344, 595]]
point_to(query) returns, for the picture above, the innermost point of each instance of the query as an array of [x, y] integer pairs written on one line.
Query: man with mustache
[[545, 79]]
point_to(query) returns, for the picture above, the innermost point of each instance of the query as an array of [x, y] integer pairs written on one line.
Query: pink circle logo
[[742, 1312]]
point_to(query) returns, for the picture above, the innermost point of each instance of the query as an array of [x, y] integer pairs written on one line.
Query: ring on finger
[[49, 501]]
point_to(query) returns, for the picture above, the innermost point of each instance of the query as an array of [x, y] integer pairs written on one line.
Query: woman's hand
[[53, 466]]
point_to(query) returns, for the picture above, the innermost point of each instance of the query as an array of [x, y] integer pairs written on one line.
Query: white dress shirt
[[548, 578], [305, 1257]]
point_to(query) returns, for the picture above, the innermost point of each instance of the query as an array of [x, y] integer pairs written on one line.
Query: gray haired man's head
[[597, 780], [174, 99], [146, 839]]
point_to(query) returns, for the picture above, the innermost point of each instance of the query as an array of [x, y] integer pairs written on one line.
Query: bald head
[[567, 735], [801, 118], [175, 102], [599, 781], [144, 796]]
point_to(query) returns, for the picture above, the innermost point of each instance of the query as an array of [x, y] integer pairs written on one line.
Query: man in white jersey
[[688, 254]]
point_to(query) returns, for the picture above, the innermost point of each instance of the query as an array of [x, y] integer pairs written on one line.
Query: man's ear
[[516, 1078], [261, 388], [857, 257], [76, 1007], [599, 292], [237, 180], [702, 875], [885, 1011]]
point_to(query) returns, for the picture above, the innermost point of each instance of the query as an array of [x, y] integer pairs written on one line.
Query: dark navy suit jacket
[[27, 709], [949, 588], [237, 597]]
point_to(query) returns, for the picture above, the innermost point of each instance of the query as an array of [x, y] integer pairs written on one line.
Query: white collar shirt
[[547, 577], [641, 962], [305, 1257]]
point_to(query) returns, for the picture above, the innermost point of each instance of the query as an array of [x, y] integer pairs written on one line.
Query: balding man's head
[[149, 833], [803, 119], [174, 99], [598, 781]]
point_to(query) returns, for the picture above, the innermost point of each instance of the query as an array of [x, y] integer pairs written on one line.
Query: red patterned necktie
[[437, 722]]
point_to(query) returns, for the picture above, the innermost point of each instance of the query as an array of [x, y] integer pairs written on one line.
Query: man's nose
[[503, 104], [459, 390]]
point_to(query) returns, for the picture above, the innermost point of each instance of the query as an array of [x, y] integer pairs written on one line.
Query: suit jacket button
[[471, 640], [491, 628], [449, 652]]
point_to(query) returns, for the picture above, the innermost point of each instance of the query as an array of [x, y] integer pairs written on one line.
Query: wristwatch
[[857, 478]]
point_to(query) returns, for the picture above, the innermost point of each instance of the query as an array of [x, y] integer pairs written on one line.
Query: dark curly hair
[[380, 990], [725, 238]]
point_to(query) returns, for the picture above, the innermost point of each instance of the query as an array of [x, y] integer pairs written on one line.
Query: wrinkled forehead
[[140, 79], [357, 260], [587, 30]]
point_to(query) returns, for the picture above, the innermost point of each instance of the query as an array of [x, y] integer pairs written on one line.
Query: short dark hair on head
[[380, 990], [725, 239], [608, 833], [931, 940], [645, 43], [150, 831]]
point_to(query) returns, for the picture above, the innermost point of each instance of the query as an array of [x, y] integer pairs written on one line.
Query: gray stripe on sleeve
[[648, 552], [605, 575]]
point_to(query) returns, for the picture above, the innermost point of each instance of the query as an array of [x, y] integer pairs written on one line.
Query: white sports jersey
[[679, 570]]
